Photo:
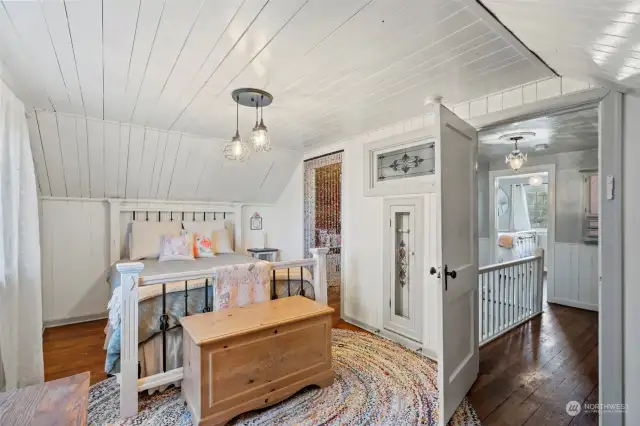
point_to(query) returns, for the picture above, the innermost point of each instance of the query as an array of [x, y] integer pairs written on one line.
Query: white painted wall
[[631, 255], [75, 256]]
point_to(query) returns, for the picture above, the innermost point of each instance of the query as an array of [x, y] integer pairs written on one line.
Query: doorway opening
[[538, 221]]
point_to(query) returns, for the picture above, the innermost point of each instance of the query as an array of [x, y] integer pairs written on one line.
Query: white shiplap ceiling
[[593, 40], [336, 68]]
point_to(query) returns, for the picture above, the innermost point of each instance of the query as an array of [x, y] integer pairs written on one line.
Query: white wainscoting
[[576, 276], [75, 250], [75, 256]]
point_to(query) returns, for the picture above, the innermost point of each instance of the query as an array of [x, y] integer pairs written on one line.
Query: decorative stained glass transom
[[418, 160]]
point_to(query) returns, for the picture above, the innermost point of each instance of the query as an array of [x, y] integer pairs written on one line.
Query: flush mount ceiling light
[[236, 150], [541, 147], [258, 99], [535, 180], [516, 158]]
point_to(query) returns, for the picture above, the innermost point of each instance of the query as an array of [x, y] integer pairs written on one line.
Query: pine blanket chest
[[241, 359]]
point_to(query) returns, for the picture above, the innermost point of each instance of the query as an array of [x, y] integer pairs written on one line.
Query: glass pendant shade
[[236, 150], [516, 159], [260, 137]]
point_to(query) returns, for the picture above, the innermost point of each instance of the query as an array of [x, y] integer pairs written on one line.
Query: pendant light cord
[[237, 113]]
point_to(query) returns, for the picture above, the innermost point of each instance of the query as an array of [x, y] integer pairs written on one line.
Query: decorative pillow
[[146, 237], [210, 228], [222, 241], [203, 246], [176, 248]]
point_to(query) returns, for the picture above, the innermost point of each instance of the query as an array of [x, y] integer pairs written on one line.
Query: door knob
[[432, 271], [448, 273]]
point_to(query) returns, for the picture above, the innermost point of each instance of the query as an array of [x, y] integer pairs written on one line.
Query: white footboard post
[[128, 274], [320, 274]]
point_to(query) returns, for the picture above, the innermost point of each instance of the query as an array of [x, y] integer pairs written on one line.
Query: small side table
[[268, 254]]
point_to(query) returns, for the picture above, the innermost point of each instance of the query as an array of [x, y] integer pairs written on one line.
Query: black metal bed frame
[[164, 318]]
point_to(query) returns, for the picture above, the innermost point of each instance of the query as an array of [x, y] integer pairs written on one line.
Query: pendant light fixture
[[260, 135], [258, 99], [236, 150], [516, 158]]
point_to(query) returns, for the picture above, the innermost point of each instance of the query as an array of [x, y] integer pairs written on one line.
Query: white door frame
[[610, 302], [550, 169]]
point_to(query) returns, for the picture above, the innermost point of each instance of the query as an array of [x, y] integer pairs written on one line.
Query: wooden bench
[[241, 359]]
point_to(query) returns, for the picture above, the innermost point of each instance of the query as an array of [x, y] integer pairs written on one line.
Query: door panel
[[457, 254]]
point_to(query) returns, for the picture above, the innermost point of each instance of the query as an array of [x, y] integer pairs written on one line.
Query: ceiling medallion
[[516, 158], [253, 98]]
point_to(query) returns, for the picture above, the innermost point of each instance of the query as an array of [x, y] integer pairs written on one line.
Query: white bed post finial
[[127, 276], [320, 274]]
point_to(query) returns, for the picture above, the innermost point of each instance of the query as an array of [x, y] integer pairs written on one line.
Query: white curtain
[[520, 209], [20, 276]]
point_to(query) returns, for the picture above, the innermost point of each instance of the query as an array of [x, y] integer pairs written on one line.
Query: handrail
[[496, 266]]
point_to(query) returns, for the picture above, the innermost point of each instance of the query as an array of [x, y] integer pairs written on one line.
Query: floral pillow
[[203, 246], [176, 248]]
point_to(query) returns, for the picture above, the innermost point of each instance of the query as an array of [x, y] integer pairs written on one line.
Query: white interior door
[[457, 259]]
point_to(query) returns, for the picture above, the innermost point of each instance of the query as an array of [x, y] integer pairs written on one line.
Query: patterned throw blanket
[[241, 285], [233, 286]]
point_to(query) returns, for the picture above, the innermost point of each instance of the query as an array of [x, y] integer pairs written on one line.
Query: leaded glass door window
[[404, 263]]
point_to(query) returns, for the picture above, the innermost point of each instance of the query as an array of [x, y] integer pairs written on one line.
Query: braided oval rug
[[376, 382]]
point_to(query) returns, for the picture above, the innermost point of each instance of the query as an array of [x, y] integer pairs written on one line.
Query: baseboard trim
[[407, 343], [75, 320], [573, 303]]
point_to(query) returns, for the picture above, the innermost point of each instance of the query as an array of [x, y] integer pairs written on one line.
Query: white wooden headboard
[[123, 212]]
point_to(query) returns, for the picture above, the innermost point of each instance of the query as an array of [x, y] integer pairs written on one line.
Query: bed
[[153, 358], [144, 346]]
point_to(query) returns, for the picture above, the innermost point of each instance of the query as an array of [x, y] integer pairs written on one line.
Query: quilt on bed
[[232, 291]]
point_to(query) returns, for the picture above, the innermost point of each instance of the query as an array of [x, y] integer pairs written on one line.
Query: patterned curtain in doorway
[[322, 213]]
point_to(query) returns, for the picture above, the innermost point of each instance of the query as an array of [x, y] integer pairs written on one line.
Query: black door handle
[[451, 274]]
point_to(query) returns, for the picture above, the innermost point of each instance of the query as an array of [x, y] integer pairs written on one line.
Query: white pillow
[[222, 242], [146, 237], [176, 248]]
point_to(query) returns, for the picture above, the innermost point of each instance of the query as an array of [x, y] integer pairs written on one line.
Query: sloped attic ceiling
[[592, 40], [336, 69]]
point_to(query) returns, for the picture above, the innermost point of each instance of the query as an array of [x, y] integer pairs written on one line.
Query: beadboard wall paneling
[[75, 251], [75, 256], [90, 158], [335, 67], [575, 284]]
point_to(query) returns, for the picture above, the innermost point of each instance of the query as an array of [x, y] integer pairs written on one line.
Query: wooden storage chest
[[241, 359]]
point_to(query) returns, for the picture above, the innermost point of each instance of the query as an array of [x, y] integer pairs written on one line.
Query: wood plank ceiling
[[592, 40], [336, 68]]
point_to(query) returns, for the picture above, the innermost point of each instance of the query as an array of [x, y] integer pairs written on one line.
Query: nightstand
[[268, 254]]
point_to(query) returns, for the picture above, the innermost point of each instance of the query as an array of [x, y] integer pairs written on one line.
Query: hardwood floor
[[526, 377]]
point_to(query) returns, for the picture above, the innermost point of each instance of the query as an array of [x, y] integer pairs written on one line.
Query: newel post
[[127, 276], [320, 274]]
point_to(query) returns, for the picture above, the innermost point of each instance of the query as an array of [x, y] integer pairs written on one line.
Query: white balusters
[[509, 294]]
